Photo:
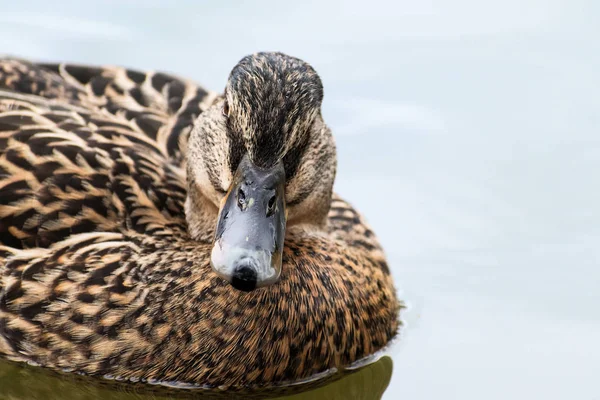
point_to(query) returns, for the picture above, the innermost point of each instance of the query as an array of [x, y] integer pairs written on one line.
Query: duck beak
[[248, 246]]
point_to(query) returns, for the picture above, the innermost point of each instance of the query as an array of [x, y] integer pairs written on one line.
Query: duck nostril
[[241, 199], [271, 205]]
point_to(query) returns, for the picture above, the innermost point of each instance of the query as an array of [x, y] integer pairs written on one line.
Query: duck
[[152, 230]]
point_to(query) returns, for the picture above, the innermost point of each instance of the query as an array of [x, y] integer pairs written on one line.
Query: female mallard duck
[[120, 190]]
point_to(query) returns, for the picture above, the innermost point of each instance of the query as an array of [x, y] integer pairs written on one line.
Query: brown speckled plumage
[[103, 273]]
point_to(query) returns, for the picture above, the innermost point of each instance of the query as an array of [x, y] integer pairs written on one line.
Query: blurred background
[[468, 134]]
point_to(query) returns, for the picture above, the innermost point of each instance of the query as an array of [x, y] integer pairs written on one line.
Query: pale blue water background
[[468, 133]]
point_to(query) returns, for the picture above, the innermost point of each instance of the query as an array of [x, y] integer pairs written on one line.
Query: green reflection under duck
[[117, 186], [22, 382]]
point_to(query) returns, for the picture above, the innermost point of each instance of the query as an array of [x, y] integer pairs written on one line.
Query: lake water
[[468, 133]]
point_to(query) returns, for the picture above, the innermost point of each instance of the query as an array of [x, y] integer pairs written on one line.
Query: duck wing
[[160, 105], [81, 152]]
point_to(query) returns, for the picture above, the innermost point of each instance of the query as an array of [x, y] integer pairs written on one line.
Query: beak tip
[[245, 269], [244, 279]]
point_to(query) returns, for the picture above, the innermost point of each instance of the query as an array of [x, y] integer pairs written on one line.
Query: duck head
[[260, 161]]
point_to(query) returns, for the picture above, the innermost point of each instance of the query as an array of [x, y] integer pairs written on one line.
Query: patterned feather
[[99, 275]]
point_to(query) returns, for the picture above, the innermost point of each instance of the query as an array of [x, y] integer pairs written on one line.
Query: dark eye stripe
[[291, 161], [298, 199], [303, 193], [236, 148]]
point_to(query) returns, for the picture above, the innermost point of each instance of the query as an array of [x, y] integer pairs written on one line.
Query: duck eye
[[225, 109]]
